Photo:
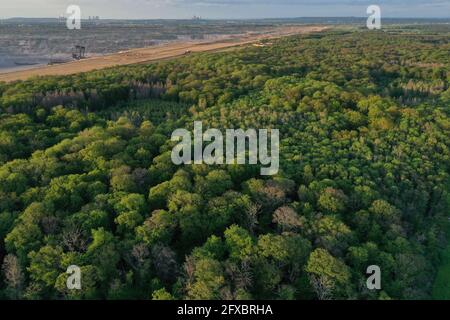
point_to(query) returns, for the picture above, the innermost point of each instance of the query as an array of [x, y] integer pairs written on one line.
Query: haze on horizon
[[228, 9]]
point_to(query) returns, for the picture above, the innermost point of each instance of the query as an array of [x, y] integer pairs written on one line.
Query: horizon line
[[218, 19]]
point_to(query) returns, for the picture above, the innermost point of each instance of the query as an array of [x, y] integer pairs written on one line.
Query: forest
[[86, 176]]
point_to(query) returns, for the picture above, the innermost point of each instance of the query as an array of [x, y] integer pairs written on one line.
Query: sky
[[218, 9]]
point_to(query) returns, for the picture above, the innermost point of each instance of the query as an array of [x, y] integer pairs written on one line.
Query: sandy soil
[[154, 53]]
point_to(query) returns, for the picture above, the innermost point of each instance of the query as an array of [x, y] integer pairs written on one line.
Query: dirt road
[[154, 53]]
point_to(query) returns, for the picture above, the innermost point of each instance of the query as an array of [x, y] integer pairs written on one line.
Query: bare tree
[[253, 210], [139, 253], [322, 286], [189, 268], [14, 277], [74, 240], [271, 196], [226, 294], [140, 176], [50, 224], [165, 263], [240, 277], [287, 219], [244, 276]]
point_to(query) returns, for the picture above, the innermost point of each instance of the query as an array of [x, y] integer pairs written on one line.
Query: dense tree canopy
[[86, 176]]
